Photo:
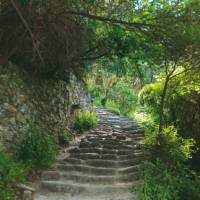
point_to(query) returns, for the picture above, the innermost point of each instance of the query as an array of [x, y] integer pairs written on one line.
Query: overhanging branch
[[109, 20], [29, 31]]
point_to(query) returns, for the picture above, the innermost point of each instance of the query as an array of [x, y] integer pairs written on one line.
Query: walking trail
[[102, 165]]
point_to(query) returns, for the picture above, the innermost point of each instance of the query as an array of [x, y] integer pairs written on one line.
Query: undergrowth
[[11, 172], [84, 120], [37, 149]]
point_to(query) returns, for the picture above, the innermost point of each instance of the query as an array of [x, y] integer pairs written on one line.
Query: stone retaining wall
[[24, 99]]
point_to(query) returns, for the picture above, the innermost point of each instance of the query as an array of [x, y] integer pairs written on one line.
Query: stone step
[[120, 123], [105, 161], [112, 163], [90, 170], [86, 169], [102, 163], [114, 135], [99, 135], [104, 151], [131, 133], [113, 131], [84, 178], [105, 156], [111, 196], [123, 124], [87, 144], [77, 188], [123, 146], [111, 141], [127, 170]]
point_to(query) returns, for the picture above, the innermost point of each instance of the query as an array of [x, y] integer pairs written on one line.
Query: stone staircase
[[103, 165]]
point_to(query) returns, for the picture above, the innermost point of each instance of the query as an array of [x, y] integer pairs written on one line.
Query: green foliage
[[65, 137], [181, 105], [112, 92], [145, 120], [124, 95], [38, 149], [97, 101], [167, 176], [1, 146], [161, 182], [113, 106], [11, 172], [169, 146], [150, 97], [85, 120]]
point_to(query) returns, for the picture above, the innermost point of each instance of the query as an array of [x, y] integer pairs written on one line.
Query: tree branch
[[94, 57], [109, 20], [29, 31]]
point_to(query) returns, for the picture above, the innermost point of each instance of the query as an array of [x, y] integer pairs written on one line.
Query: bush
[[97, 101], [11, 172], [145, 120], [124, 95], [169, 146], [1, 146], [37, 149], [161, 182], [150, 97], [84, 120], [113, 106], [65, 137]]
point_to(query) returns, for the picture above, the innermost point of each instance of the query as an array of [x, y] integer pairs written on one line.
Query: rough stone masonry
[[25, 99]]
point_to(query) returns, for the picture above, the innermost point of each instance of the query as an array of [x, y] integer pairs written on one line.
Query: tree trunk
[[162, 104]]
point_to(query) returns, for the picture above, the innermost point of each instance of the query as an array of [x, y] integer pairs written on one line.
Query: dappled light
[[100, 100]]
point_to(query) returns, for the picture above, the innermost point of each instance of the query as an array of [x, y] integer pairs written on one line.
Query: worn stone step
[[105, 156], [127, 170], [85, 178], [135, 131], [97, 170], [117, 136], [107, 145], [111, 196], [105, 151], [101, 179], [89, 144], [112, 141], [87, 169], [102, 163], [112, 163], [123, 146], [77, 188], [111, 133]]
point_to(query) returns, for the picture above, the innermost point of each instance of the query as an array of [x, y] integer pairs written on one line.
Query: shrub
[[161, 182], [145, 120], [84, 120], [65, 137], [97, 101], [11, 172], [1, 146], [166, 176], [124, 95], [150, 97], [113, 106], [169, 146], [38, 148]]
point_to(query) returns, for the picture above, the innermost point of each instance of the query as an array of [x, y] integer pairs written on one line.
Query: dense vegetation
[[84, 120], [34, 151], [11, 172], [138, 57], [37, 149]]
